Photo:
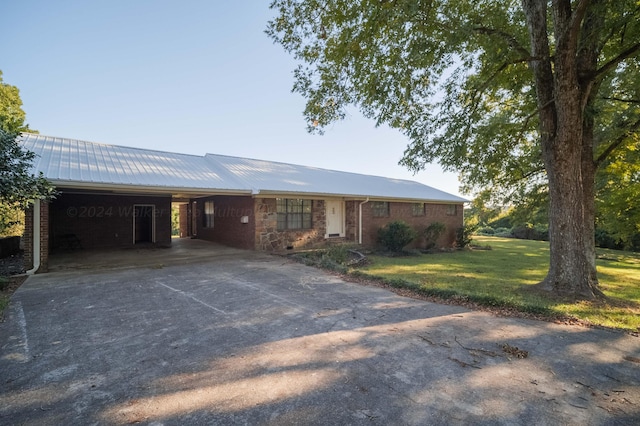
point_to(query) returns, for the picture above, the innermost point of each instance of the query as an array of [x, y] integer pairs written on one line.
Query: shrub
[[432, 233], [503, 232], [486, 230], [463, 236], [605, 240], [338, 253], [531, 232], [395, 235]]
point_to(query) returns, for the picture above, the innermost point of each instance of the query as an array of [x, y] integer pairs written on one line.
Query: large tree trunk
[[572, 269], [565, 138]]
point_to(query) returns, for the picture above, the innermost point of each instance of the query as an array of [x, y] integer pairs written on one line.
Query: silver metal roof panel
[[88, 162], [85, 163], [268, 176]]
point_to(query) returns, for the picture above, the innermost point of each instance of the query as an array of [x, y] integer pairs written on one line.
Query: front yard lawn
[[504, 276]]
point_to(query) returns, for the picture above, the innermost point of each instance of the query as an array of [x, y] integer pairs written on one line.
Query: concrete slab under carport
[[249, 338], [181, 251]]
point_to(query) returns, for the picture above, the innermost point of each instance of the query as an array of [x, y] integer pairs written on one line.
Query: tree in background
[[520, 96], [12, 117], [18, 186]]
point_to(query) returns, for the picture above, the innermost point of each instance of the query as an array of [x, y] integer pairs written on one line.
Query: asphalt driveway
[[255, 339]]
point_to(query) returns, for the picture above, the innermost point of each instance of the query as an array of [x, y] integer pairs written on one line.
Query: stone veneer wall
[[269, 238]]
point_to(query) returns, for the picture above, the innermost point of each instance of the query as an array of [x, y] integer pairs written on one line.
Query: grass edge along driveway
[[504, 277]]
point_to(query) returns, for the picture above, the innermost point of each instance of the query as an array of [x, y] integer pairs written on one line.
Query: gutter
[[360, 220], [36, 238]]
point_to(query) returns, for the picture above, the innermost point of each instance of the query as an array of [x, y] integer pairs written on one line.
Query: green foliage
[[19, 185], [11, 220], [338, 253], [392, 58], [12, 116], [432, 233], [464, 236], [485, 230], [618, 194], [394, 236], [175, 221]]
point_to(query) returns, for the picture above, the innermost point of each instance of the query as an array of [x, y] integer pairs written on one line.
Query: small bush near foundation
[[338, 254], [463, 236], [432, 233], [395, 235]]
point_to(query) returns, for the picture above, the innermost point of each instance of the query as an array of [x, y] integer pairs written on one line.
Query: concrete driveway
[[248, 338]]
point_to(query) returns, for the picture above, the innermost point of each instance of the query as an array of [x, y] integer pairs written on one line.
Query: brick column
[[29, 236], [44, 237]]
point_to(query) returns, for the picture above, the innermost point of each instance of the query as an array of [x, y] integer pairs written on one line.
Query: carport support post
[[36, 236]]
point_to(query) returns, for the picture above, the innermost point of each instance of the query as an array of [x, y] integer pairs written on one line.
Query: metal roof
[[67, 162]]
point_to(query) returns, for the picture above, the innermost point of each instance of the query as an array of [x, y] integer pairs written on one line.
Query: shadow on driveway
[[255, 339]]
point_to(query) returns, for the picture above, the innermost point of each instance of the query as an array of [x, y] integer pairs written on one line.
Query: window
[[380, 208], [293, 213], [208, 214], [452, 210], [418, 209]]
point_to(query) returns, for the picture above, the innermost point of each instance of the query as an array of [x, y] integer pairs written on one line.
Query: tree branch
[[577, 17], [502, 67], [629, 101], [627, 53], [616, 143], [511, 40]]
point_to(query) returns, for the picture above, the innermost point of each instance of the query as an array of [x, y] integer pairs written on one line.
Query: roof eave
[[301, 194], [145, 189]]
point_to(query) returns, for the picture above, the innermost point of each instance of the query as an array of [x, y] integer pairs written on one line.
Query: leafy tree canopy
[[454, 77]]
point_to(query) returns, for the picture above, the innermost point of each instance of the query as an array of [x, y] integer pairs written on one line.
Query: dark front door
[[143, 223]]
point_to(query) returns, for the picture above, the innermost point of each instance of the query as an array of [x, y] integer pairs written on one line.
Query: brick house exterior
[[260, 231], [113, 197]]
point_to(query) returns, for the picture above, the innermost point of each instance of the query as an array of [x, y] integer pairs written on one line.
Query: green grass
[[504, 277]]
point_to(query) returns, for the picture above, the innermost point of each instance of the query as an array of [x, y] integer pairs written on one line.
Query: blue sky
[[189, 76]]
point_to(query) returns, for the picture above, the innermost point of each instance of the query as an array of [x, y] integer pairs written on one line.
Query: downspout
[[36, 237], [360, 220]]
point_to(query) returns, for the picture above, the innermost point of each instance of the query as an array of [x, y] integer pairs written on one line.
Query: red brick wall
[[402, 211], [104, 221], [27, 238], [44, 238], [184, 220], [227, 226]]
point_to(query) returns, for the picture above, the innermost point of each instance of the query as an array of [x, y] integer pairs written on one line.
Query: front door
[[335, 218]]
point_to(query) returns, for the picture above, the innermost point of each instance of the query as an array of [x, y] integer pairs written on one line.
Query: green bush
[[502, 231], [432, 233], [395, 235], [338, 253], [486, 230], [463, 236]]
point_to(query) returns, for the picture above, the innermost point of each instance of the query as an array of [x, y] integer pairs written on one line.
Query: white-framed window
[[452, 210]]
